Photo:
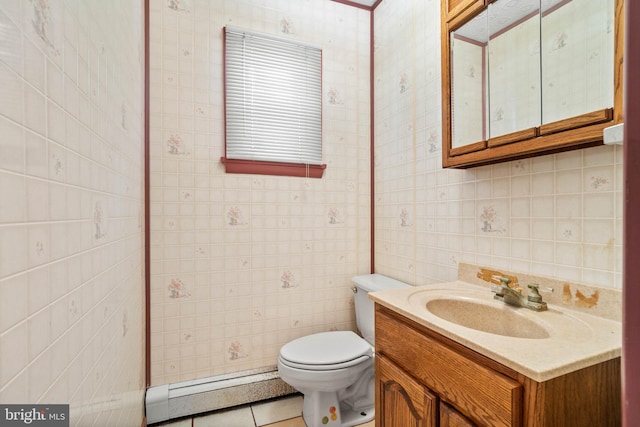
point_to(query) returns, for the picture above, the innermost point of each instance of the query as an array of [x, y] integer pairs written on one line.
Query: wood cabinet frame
[[422, 368], [582, 131]]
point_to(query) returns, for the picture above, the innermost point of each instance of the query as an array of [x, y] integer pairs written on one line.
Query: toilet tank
[[364, 306]]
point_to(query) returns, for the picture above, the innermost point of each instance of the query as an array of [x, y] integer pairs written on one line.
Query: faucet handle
[[503, 287], [534, 295], [504, 281]]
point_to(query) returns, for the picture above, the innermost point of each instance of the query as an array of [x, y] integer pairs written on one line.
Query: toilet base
[[322, 409], [351, 417]]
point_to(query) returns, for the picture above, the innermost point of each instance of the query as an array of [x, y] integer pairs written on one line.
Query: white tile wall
[[71, 200], [558, 215], [241, 264]]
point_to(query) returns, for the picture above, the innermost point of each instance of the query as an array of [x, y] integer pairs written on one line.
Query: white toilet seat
[[326, 351], [337, 366]]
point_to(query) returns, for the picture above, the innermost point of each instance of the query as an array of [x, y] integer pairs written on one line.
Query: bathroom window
[[273, 106]]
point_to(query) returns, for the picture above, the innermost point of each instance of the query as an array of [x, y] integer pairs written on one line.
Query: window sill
[[258, 167]]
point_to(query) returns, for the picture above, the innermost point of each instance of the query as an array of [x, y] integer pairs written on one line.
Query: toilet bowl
[[326, 367], [335, 370]]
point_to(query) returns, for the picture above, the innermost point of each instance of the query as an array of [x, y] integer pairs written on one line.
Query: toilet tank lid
[[377, 282]]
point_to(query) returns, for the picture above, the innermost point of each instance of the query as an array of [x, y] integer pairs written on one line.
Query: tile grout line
[[253, 415]]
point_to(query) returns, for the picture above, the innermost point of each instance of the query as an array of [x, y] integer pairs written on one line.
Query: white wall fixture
[[614, 134]]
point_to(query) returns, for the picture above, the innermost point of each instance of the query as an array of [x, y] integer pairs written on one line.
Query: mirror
[[514, 68], [469, 101], [529, 77], [577, 57]]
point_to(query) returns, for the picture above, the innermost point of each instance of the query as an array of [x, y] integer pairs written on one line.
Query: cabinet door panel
[[469, 101], [449, 417], [483, 395], [577, 58], [401, 400], [514, 68]]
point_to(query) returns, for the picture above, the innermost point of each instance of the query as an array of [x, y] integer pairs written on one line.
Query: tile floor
[[284, 412]]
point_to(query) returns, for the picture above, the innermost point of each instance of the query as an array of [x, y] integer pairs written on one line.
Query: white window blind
[[273, 99]]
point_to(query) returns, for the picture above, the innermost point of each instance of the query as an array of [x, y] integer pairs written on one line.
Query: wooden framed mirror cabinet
[[522, 78]]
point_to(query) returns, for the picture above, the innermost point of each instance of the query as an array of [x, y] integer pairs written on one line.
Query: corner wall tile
[[13, 156], [13, 94], [13, 301], [13, 351], [13, 202]]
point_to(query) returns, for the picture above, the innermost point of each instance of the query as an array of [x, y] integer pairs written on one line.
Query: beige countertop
[[576, 339]]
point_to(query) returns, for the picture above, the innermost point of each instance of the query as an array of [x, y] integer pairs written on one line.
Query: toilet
[[335, 370]]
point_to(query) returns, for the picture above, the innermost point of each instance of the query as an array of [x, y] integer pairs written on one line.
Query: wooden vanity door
[[449, 417], [401, 401]]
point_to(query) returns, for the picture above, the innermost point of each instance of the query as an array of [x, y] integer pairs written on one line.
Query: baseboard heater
[[186, 398]]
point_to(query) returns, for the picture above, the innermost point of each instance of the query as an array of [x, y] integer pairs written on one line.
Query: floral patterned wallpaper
[[242, 264]]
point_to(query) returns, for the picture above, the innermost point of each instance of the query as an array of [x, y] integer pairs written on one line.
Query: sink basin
[[538, 344], [498, 320], [462, 310]]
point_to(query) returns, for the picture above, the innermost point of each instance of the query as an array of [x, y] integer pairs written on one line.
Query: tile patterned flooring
[[284, 412]]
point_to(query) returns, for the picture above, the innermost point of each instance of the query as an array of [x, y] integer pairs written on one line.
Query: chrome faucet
[[509, 295]]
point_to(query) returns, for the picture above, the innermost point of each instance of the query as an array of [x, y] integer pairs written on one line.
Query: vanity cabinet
[[424, 379]]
